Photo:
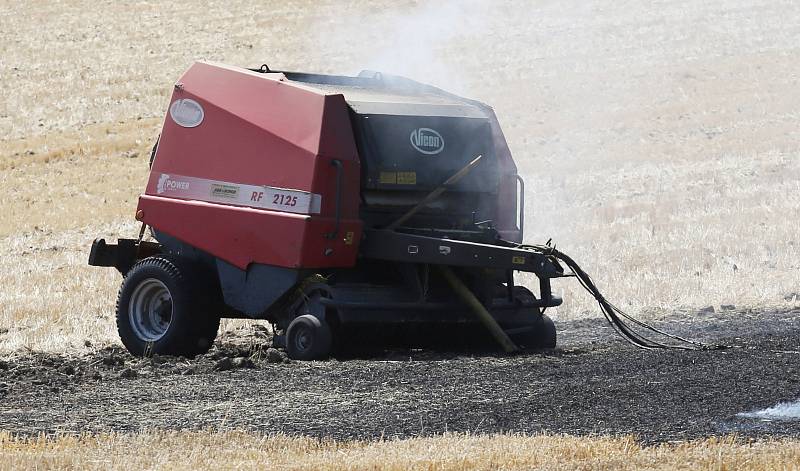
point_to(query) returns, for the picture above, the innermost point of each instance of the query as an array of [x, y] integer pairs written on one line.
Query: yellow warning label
[[389, 177], [518, 260], [406, 178]]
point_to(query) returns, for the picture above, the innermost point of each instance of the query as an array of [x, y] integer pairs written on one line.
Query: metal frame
[[122, 255], [411, 248]]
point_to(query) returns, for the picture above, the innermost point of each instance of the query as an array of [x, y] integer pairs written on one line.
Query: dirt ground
[[592, 384]]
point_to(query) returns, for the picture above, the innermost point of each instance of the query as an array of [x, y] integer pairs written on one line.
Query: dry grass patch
[[659, 144], [238, 450], [74, 182], [690, 234], [51, 300]]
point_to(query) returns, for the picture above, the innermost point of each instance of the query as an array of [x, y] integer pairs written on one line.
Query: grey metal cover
[[412, 136]]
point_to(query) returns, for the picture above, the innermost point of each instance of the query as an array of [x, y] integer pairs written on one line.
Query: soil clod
[[273, 355], [128, 373], [224, 364], [242, 362]]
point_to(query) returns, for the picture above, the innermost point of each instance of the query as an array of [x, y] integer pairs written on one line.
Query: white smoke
[[780, 411], [424, 42]]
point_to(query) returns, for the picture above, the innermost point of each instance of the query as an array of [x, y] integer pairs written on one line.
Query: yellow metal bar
[[483, 315]]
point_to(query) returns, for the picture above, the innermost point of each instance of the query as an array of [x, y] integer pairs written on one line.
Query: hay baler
[[341, 209]]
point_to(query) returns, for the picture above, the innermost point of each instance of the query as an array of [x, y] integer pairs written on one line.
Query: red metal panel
[[258, 129], [242, 236]]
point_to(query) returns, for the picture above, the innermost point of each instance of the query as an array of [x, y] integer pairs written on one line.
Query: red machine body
[[372, 208], [243, 170]]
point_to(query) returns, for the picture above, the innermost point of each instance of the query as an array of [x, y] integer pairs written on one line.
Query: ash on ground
[[593, 383]]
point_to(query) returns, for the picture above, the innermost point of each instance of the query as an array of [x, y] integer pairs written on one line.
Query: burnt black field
[[594, 383]]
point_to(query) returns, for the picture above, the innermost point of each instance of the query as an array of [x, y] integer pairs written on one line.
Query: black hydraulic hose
[[614, 314]]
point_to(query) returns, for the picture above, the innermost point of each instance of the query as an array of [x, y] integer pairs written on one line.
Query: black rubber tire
[[542, 336], [196, 305], [308, 338]]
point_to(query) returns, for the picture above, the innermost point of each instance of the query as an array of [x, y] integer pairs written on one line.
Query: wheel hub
[[304, 339], [150, 310]]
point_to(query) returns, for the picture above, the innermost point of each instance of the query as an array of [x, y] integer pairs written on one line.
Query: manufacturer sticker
[[427, 141], [518, 260], [388, 178], [214, 191], [398, 178], [406, 178], [224, 191], [186, 112]]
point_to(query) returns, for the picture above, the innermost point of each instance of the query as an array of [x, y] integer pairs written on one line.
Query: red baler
[[341, 209]]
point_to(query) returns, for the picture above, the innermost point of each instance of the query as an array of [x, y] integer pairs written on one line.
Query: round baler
[[344, 210]]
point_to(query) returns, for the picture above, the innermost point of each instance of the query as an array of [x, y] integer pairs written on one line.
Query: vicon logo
[[427, 141]]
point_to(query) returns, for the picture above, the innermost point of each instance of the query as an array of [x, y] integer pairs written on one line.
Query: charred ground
[[593, 384]]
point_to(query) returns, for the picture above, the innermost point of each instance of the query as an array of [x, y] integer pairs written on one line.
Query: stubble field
[[658, 140]]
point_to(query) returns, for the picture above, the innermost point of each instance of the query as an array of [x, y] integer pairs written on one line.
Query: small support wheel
[[541, 335], [308, 338]]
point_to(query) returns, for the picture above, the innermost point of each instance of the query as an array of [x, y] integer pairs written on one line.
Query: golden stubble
[[242, 450]]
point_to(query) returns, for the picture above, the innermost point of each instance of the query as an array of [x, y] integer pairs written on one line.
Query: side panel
[[256, 130], [507, 207], [254, 290], [241, 236], [387, 150]]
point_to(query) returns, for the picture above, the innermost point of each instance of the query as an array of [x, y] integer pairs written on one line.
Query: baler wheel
[[542, 335], [308, 338], [166, 306]]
